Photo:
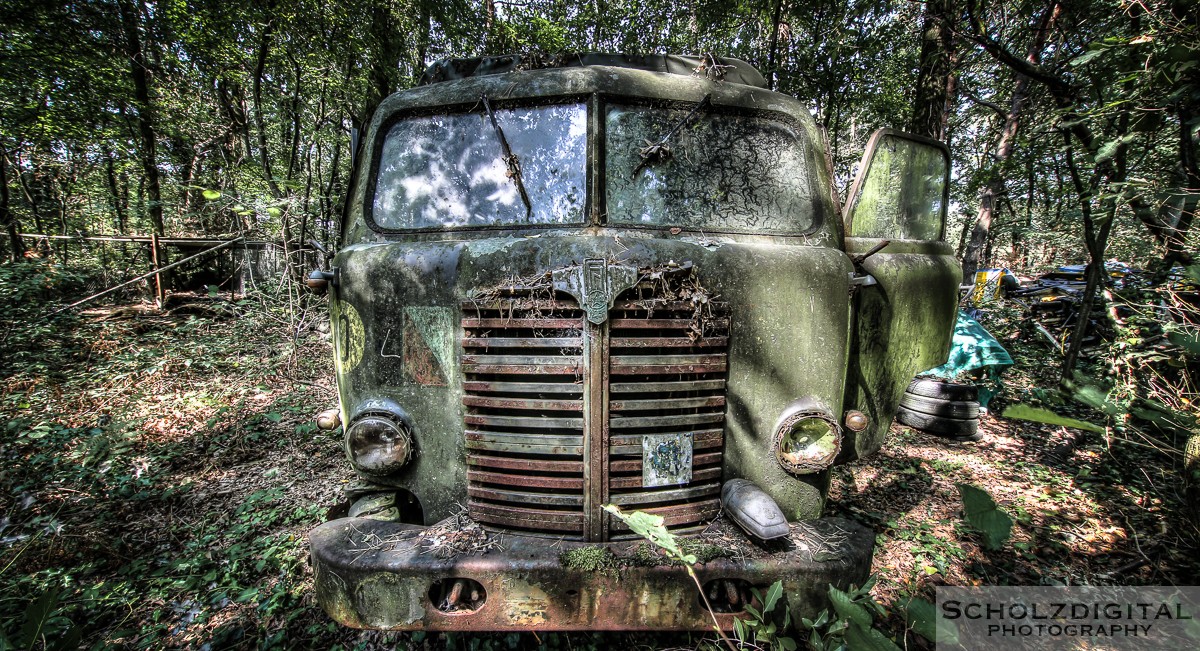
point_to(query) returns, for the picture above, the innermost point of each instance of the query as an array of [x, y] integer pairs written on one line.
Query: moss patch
[[590, 559], [704, 552]]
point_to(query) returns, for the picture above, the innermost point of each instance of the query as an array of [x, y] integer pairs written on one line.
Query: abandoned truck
[[610, 280]]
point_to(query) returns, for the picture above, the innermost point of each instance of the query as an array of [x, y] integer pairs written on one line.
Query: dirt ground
[[161, 472]]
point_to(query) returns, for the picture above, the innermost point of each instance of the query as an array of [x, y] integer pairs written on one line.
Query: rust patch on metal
[[421, 365]]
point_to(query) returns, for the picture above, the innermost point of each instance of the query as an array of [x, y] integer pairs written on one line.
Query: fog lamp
[[378, 444], [806, 440]]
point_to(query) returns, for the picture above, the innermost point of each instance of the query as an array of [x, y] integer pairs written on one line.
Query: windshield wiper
[[655, 152], [511, 164]]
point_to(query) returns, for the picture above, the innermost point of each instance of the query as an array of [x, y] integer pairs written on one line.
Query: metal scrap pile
[[1052, 299]]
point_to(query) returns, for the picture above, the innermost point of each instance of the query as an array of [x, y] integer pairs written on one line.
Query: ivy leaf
[[773, 594], [1039, 415], [983, 515], [921, 617]]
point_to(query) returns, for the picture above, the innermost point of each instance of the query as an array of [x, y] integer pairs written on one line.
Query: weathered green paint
[[901, 330], [791, 302], [799, 329]]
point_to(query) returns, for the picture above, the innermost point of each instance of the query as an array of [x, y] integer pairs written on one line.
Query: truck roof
[[712, 67]]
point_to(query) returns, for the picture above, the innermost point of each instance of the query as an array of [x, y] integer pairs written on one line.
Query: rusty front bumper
[[380, 575]]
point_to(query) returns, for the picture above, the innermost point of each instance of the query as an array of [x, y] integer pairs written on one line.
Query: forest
[[160, 463]]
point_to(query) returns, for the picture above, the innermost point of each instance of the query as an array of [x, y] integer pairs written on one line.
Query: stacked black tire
[[946, 409]]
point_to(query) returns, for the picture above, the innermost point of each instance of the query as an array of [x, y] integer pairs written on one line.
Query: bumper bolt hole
[[728, 595], [457, 595]]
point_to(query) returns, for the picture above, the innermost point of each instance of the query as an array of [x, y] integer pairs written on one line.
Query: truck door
[[906, 274]]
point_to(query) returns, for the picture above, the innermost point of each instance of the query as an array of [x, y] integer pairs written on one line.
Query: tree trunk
[[1096, 241], [16, 244], [994, 189], [264, 154], [935, 72], [773, 47], [114, 188], [131, 24]]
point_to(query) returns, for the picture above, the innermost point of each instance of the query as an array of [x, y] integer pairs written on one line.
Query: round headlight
[[807, 441], [378, 445]]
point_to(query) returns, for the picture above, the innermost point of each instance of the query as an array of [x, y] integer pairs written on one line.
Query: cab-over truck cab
[[615, 281]]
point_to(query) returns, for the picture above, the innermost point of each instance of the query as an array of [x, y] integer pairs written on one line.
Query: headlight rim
[[797, 412], [403, 433]]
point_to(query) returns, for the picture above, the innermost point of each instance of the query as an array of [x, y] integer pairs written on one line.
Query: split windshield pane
[[446, 171], [724, 172]]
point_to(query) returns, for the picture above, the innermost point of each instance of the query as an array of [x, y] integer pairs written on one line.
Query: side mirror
[[319, 281], [902, 189]]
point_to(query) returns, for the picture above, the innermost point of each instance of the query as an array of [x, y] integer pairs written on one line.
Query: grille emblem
[[595, 284]]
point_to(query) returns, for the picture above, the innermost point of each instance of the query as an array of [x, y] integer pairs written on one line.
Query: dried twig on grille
[[817, 545], [457, 535]]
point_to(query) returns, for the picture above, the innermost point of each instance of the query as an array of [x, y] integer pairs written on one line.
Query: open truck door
[[907, 275]]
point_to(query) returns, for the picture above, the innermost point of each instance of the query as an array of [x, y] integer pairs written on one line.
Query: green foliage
[[766, 628], [651, 528], [982, 513], [1039, 415], [30, 290], [921, 617], [851, 625], [44, 627]]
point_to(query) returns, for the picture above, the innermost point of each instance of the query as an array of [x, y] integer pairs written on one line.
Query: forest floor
[[160, 471]]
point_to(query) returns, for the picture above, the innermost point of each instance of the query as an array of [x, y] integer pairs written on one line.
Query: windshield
[[722, 172], [443, 171]]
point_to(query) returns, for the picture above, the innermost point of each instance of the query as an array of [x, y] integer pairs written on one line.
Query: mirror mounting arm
[[861, 258]]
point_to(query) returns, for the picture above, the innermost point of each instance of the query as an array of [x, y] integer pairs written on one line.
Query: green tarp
[[972, 349]]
